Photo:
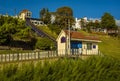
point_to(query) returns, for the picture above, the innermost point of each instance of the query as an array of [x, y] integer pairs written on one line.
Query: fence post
[[34, 55], [5, 57], [17, 56], [12, 57], [28, 55], [1, 57], [38, 54], [9, 57], [48, 54]]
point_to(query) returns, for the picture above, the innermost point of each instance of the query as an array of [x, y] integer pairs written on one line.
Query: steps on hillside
[[39, 31]]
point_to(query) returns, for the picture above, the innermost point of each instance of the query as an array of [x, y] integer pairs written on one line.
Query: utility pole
[[69, 45]]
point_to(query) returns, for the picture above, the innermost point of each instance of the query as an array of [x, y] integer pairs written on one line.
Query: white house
[[76, 43], [25, 14]]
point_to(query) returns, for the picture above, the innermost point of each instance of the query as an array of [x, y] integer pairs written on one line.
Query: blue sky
[[81, 8]]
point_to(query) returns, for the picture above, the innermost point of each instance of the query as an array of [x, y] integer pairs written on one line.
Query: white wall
[[93, 51], [61, 46]]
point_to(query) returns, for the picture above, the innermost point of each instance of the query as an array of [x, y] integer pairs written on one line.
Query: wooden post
[[9, 57], [17, 56], [48, 54], [28, 55], [38, 54]]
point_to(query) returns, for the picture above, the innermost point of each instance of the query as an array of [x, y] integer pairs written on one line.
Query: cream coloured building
[[25, 14], [76, 43]]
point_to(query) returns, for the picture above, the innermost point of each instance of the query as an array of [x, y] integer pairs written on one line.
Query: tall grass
[[91, 69]]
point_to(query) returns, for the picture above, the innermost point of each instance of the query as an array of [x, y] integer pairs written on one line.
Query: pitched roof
[[24, 11], [79, 35]]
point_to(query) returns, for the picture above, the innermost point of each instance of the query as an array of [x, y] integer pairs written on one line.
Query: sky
[[81, 8]]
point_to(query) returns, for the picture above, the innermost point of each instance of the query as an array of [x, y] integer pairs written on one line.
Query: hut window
[[63, 39], [89, 46]]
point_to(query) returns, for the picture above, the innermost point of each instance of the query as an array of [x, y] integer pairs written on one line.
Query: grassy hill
[[48, 31], [110, 46]]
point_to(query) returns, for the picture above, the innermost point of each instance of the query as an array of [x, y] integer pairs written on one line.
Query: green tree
[[89, 26], [6, 31], [44, 44], [83, 23], [64, 17], [108, 21], [45, 15], [97, 24], [13, 29], [65, 11]]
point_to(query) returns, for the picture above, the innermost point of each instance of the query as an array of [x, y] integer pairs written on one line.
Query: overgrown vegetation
[[44, 44], [14, 32], [91, 69]]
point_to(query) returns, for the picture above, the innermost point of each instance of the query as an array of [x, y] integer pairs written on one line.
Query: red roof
[[24, 11], [79, 35]]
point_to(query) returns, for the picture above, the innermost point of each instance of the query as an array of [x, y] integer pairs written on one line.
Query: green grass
[[48, 31], [110, 46]]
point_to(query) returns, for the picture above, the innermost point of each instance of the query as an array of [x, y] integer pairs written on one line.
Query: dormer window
[[63, 39]]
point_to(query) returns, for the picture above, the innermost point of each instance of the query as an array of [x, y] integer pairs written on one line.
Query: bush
[[44, 44]]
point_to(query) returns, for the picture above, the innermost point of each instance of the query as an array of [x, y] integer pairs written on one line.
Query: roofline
[[86, 40], [62, 31]]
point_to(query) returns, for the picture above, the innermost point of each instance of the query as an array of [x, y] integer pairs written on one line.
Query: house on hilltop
[[25, 14], [74, 42]]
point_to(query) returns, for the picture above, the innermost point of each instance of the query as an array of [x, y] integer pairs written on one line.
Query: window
[[89, 46], [94, 46], [63, 39]]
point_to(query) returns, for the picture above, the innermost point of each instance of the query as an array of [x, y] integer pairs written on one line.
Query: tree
[[64, 17], [97, 24], [108, 21], [83, 23], [65, 11], [44, 44], [45, 16], [12, 28], [6, 31]]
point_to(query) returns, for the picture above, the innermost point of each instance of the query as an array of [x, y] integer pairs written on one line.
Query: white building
[[36, 22], [25, 14], [79, 43], [53, 17], [77, 24]]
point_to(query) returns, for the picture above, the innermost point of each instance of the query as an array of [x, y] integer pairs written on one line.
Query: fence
[[39, 55], [27, 56]]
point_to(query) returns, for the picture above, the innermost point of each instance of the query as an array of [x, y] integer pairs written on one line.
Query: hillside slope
[[110, 46]]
